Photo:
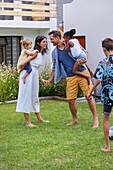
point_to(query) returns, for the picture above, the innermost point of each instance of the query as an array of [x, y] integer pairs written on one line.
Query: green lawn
[[53, 145]]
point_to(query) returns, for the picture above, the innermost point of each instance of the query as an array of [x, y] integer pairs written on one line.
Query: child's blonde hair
[[25, 42]]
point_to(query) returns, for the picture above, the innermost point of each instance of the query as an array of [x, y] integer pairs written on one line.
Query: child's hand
[[89, 95], [36, 51], [83, 61]]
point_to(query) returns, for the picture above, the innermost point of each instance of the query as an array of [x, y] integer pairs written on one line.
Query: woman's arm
[[40, 76], [68, 46], [29, 58], [31, 52]]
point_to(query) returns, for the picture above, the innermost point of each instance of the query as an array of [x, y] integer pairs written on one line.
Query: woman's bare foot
[[72, 123], [30, 125], [24, 80], [105, 149], [43, 121]]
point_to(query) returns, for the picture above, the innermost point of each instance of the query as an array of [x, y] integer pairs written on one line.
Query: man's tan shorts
[[74, 82]]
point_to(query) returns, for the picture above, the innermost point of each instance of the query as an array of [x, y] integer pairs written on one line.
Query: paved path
[[78, 100]]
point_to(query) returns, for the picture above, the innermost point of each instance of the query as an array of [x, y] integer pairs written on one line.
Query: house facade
[[24, 19], [93, 21]]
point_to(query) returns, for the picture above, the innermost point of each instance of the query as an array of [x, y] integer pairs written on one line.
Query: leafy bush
[[53, 90], [8, 83]]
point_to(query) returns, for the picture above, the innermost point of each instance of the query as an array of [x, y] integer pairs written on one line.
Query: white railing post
[[17, 18]]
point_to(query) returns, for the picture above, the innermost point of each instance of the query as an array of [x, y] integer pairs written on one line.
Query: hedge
[[9, 86]]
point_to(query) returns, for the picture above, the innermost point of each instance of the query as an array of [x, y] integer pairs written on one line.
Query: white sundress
[[28, 95]]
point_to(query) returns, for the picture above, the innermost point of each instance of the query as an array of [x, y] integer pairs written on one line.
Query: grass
[[52, 146]]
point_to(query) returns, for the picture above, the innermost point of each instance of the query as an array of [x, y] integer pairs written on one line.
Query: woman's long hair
[[37, 46]]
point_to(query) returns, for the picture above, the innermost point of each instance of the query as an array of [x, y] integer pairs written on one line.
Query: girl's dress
[[28, 95]]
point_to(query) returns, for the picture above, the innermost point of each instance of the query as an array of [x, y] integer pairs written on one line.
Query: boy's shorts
[[107, 109], [74, 82]]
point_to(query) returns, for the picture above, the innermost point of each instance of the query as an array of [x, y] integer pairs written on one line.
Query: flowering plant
[[8, 82]]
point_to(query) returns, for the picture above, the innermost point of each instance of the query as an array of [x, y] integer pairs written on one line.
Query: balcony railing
[[33, 9]]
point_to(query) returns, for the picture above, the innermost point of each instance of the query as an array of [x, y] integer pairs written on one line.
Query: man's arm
[[40, 76], [47, 82], [51, 76]]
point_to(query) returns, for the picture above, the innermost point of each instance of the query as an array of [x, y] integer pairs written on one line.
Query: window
[[6, 17], [9, 49]]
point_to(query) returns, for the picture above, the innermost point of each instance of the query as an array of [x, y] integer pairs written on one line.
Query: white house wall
[[94, 19], [30, 30], [17, 23]]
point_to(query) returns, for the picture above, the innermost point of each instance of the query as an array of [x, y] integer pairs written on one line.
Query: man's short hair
[[108, 44], [55, 33]]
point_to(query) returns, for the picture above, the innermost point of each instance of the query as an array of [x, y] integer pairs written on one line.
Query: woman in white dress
[[28, 96]]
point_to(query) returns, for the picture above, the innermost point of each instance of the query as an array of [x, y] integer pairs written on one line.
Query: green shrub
[[49, 90], [53, 90], [8, 83]]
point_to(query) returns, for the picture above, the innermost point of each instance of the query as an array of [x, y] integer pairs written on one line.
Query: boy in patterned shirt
[[104, 74]]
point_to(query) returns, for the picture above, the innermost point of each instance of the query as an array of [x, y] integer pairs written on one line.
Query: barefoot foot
[[105, 149], [43, 121], [96, 124], [72, 123], [30, 125]]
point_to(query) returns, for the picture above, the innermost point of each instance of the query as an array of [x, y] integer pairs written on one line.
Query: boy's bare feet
[[30, 125], [72, 123], [96, 124], [24, 80], [105, 149]]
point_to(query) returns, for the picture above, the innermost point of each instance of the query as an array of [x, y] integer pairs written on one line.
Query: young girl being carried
[[27, 45], [77, 51]]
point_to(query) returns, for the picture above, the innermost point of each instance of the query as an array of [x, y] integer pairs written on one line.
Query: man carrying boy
[[63, 68], [104, 74]]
